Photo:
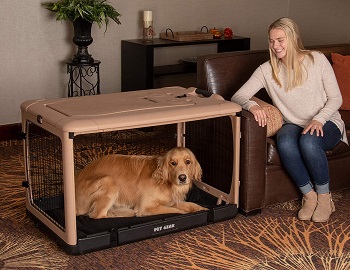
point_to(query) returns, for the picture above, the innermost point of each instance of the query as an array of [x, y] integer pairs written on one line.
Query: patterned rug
[[275, 239]]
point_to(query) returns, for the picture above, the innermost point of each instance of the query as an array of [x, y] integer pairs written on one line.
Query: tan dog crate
[[63, 135]]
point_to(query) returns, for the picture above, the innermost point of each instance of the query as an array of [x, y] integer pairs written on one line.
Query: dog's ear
[[197, 170], [161, 172]]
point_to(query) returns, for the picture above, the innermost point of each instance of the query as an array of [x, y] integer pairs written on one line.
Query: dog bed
[[94, 234]]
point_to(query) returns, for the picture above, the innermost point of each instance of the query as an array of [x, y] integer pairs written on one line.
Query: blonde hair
[[296, 72]]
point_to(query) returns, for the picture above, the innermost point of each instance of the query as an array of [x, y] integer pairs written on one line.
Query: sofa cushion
[[272, 153], [274, 116], [341, 67]]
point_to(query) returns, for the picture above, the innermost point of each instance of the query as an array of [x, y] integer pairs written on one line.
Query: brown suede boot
[[325, 207], [308, 206]]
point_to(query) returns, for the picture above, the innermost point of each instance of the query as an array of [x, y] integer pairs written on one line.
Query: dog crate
[[63, 135]]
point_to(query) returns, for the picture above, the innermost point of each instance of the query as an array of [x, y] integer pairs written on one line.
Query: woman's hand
[[314, 126], [259, 115]]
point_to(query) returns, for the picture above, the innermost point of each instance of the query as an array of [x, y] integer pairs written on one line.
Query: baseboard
[[10, 132]]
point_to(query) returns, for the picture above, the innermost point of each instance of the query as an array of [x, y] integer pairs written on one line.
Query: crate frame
[[37, 113]]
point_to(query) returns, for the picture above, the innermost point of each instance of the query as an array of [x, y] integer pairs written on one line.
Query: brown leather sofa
[[263, 181]]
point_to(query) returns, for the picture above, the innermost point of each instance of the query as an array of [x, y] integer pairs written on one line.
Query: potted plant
[[82, 13]]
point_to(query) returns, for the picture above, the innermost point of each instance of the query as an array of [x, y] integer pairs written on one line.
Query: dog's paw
[[182, 211], [204, 209], [159, 211], [190, 207], [200, 208], [139, 214], [121, 212]]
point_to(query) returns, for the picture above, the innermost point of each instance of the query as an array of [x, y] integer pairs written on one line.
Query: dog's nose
[[182, 178]]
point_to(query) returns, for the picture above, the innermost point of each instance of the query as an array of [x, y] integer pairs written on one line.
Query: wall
[[34, 46]]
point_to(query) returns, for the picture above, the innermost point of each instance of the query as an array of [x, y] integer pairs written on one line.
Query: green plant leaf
[[94, 11]]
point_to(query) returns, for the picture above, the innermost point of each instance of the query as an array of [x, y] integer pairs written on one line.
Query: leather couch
[[263, 181]]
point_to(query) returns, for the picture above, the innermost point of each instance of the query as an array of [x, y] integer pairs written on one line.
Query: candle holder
[[148, 31]]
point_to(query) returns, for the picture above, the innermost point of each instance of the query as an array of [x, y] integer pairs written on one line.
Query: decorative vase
[[82, 38]]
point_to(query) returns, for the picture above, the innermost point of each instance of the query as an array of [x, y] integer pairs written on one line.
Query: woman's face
[[278, 43]]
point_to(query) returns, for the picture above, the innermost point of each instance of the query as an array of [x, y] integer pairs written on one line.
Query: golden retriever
[[137, 185]]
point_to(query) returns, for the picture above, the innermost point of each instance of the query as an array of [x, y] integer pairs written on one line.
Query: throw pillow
[[274, 116], [341, 67]]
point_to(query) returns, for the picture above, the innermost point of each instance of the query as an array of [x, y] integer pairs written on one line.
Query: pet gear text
[[163, 228]]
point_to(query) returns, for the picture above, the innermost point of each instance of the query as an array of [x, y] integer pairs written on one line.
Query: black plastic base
[[121, 236], [97, 234]]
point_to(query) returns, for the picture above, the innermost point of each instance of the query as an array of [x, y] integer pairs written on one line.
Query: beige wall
[[34, 47]]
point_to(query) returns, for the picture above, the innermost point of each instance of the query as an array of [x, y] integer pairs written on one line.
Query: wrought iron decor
[[84, 78]]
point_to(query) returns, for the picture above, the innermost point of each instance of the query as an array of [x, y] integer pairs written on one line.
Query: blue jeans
[[304, 155]]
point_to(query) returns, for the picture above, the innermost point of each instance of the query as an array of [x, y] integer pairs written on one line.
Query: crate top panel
[[124, 110]]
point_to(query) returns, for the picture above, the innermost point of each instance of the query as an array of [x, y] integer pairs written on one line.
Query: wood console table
[[137, 60]]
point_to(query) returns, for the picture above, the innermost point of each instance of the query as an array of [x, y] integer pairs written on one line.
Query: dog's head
[[178, 166]]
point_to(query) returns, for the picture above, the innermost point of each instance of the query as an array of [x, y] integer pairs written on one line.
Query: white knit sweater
[[319, 97]]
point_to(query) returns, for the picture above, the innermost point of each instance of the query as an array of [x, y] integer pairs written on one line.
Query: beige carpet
[[273, 240]]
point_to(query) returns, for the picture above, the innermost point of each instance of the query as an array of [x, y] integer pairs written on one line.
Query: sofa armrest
[[252, 164]]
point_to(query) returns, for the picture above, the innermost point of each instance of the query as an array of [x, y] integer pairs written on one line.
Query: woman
[[302, 85]]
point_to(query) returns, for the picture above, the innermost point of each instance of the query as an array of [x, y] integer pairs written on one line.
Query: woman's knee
[[288, 137], [285, 143], [312, 150], [310, 143]]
